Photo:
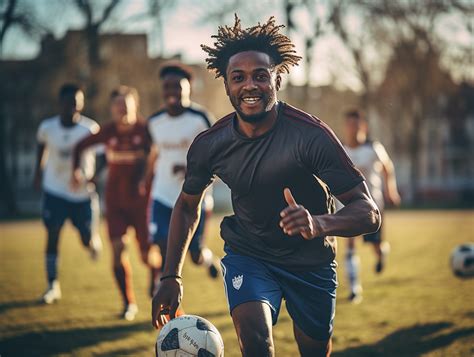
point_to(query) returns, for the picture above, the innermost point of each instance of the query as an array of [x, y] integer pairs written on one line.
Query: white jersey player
[[173, 130], [371, 158], [56, 138]]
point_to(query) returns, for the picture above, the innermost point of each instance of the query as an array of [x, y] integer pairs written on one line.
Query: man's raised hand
[[296, 219]]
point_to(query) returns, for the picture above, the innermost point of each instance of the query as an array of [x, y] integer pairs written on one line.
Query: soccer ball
[[462, 260], [188, 336]]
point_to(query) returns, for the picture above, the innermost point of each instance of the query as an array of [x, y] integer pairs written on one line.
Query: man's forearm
[[184, 221], [358, 217]]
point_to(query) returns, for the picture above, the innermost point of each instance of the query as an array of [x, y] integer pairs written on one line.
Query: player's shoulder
[[215, 130], [89, 124], [49, 122], [200, 112], [302, 120], [162, 113]]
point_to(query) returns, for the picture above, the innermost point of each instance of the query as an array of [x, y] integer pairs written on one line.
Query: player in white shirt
[[57, 137], [173, 129], [371, 158]]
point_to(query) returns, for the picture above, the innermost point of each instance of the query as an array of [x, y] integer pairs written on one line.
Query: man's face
[[123, 108], [251, 84], [355, 128], [176, 91], [72, 103]]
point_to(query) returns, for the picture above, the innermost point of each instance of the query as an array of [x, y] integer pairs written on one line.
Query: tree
[[93, 25]]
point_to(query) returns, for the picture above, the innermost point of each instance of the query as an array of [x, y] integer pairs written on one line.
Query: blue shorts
[[310, 295], [56, 210], [160, 224]]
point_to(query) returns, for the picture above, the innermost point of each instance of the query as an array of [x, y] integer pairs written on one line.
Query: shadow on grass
[[411, 341], [18, 304], [45, 343]]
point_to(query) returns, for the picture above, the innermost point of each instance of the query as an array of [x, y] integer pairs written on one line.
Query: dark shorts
[[160, 218], [56, 210], [119, 219], [310, 296]]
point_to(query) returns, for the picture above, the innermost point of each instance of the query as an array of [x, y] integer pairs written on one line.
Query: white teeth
[[251, 100]]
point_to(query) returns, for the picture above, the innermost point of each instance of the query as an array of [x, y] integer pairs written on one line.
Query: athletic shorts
[[55, 211], [119, 219], [310, 295], [160, 218]]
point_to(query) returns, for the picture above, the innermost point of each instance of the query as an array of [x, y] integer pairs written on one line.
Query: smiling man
[[283, 167]]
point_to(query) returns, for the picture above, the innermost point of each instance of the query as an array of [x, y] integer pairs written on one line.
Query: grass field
[[416, 308]]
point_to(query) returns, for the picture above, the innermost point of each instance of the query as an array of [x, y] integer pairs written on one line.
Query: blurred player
[[57, 137], [127, 145], [281, 165], [371, 158], [173, 129]]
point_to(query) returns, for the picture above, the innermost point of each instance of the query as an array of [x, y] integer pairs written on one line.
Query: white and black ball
[[188, 336]]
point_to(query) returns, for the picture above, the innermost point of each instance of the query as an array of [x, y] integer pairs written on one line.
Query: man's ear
[[226, 87], [278, 82]]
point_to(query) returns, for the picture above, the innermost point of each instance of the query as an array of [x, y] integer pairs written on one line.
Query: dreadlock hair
[[264, 38], [176, 68]]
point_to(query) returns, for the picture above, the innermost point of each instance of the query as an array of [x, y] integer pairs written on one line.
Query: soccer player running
[[282, 166], [173, 129], [56, 138], [127, 144], [371, 158]]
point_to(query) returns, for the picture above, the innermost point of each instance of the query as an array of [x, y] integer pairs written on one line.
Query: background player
[[371, 158], [56, 138], [127, 145], [276, 248], [173, 129]]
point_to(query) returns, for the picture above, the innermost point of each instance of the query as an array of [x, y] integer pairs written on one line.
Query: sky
[[186, 25]]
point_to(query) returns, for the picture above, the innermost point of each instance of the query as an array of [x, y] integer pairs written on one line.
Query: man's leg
[[352, 271], [253, 324], [310, 347], [123, 277], [54, 213], [200, 254]]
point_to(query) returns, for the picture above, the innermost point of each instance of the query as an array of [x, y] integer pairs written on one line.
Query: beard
[[268, 102]]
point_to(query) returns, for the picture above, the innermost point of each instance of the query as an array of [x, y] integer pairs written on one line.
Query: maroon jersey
[[126, 152]]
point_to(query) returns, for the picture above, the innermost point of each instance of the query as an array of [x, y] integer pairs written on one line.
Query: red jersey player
[[127, 144]]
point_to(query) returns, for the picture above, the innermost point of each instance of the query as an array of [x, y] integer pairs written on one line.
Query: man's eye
[[262, 77], [237, 78]]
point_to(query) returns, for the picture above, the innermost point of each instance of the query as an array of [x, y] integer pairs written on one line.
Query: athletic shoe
[[53, 293], [214, 269], [95, 247], [355, 298], [130, 312]]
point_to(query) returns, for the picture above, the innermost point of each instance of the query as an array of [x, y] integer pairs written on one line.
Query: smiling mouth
[[251, 100]]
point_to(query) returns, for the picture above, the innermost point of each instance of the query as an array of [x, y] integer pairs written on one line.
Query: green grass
[[416, 308]]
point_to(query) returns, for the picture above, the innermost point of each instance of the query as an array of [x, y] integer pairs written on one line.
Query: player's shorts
[[160, 218], [310, 295], [119, 219], [56, 210]]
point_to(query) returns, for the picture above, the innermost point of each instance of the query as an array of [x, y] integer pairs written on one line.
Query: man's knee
[[256, 343], [118, 247]]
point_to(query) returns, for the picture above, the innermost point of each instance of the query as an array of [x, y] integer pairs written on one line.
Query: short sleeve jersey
[[60, 142], [173, 136], [126, 157], [369, 158], [299, 152]]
